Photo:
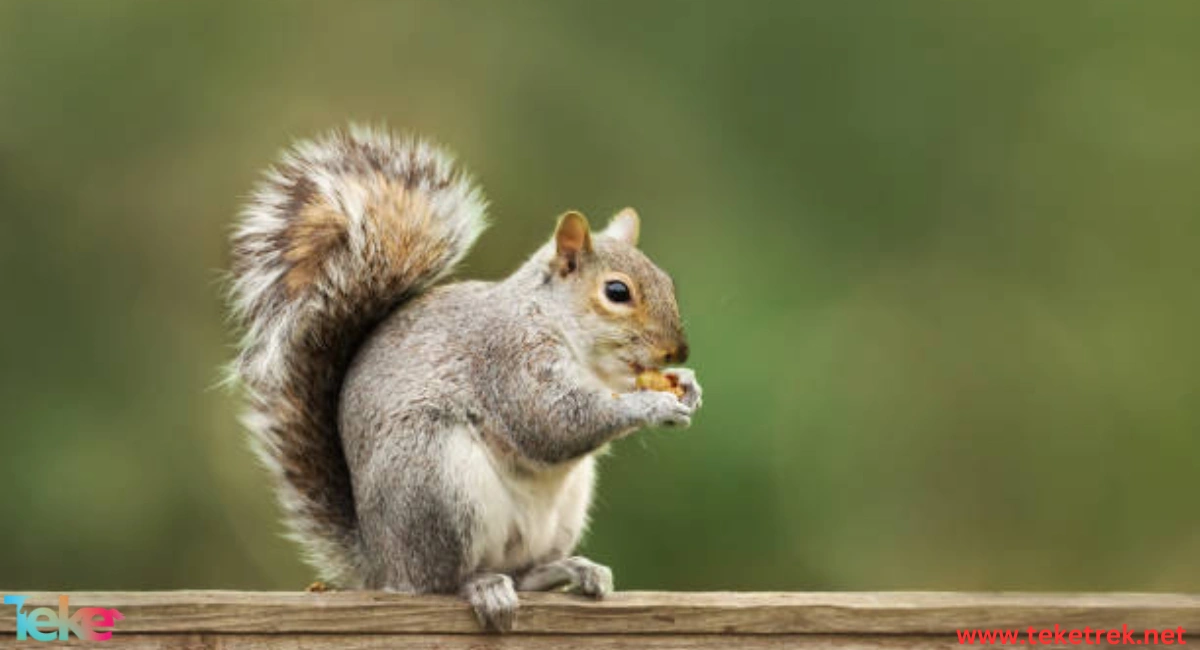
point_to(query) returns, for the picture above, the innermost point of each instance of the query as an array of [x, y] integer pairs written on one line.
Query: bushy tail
[[340, 232]]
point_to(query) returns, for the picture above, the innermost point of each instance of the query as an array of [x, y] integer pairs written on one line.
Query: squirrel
[[439, 438]]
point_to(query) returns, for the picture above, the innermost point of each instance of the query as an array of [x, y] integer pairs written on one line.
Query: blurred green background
[[938, 262]]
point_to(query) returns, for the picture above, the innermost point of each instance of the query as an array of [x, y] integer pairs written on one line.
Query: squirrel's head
[[624, 305]]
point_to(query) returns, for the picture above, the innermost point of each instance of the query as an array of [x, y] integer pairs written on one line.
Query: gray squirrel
[[439, 438]]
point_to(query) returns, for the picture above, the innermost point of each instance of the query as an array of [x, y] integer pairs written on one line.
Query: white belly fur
[[524, 518]]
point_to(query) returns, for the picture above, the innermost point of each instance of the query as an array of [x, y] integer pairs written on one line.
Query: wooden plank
[[229, 612], [525, 642], [518, 642]]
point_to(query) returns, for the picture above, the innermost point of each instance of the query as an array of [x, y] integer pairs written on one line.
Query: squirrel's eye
[[617, 291]]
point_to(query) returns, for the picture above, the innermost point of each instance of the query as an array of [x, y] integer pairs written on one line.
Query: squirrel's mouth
[[638, 368], [618, 373]]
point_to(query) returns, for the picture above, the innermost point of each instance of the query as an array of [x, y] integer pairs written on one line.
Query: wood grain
[[526, 642], [467, 642], [712, 613]]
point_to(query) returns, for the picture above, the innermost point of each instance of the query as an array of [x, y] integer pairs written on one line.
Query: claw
[[595, 580], [494, 600]]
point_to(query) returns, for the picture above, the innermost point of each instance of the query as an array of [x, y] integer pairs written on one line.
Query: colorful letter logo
[[44, 624]]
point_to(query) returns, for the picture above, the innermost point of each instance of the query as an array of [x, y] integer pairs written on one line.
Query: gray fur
[[578, 574], [462, 453]]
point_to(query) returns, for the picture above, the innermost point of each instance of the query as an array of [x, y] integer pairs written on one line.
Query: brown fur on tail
[[342, 230]]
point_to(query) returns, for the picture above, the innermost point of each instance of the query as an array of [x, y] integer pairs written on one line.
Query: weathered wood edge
[[518, 642], [532, 642], [676, 613]]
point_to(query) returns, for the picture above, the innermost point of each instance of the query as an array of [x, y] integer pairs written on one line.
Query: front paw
[[685, 378], [661, 409], [577, 574], [589, 578], [494, 600]]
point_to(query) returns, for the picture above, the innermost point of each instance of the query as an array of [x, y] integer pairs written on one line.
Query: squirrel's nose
[[678, 355]]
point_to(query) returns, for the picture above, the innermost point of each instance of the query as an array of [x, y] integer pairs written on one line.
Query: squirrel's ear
[[625, 226], [571, 239]]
